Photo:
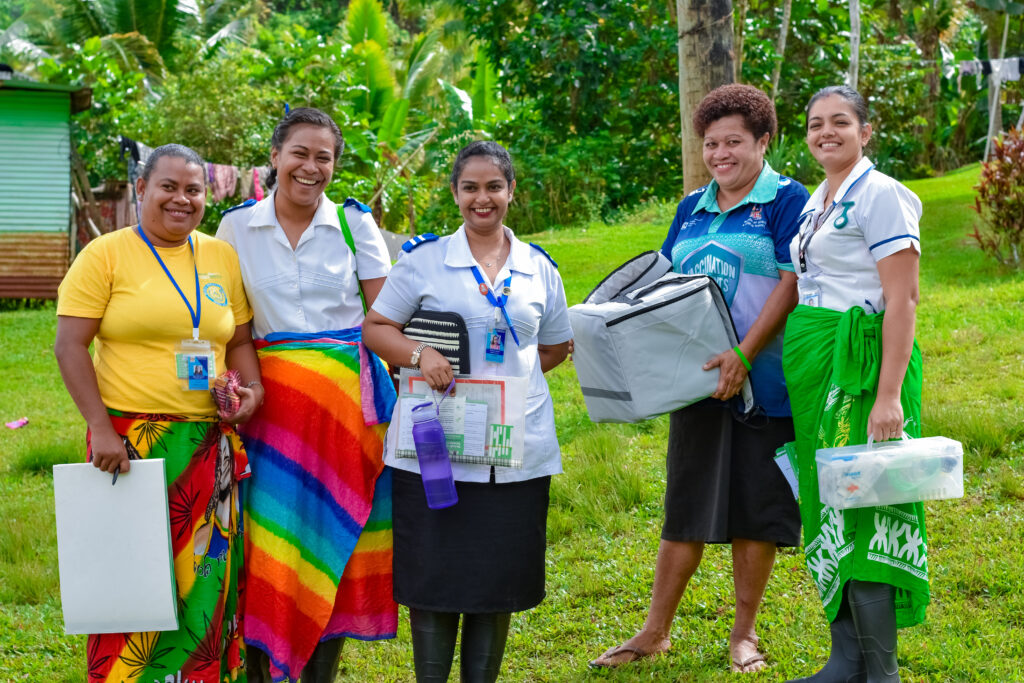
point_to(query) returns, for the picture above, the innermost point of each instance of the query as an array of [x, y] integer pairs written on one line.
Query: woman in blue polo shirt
[[723, 484]]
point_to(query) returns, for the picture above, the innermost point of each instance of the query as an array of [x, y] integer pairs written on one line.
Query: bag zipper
[[633, 314]]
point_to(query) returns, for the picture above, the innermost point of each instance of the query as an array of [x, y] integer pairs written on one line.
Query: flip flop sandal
[[636, 654], [741, 667]]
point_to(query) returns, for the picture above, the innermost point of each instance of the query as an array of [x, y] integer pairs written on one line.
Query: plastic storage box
[[892, 472]]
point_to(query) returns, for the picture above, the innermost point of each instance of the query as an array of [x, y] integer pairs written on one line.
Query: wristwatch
[[414, 361]]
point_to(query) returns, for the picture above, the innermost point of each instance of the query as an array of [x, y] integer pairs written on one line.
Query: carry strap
[[352, 246]]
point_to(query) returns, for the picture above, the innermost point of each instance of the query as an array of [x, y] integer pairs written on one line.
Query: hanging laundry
[[245, 184], [1010, 69], [225, 178], [259, 176]]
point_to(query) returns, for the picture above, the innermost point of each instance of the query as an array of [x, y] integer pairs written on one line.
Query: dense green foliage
[[583, 92]]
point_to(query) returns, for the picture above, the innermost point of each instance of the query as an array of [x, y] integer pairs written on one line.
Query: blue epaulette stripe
[[893, 239], [546, 254], [247, 203], [358, 204], [416, 241]]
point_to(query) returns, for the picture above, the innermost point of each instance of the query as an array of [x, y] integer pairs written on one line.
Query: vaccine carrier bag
[[891, 472], [642, 338]]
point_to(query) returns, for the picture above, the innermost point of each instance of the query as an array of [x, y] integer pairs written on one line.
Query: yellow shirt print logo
[[215, 293]]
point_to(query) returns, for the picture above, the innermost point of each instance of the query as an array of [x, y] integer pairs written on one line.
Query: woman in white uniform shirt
[[854, 371], [305, 284], [483, 558]]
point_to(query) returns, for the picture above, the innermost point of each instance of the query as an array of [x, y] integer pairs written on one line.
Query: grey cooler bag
[[642, 337]]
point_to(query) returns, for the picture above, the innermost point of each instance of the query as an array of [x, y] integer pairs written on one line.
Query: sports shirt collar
[[765, 188]]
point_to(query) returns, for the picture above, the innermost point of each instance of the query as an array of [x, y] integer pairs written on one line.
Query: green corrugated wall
[[35, 169]]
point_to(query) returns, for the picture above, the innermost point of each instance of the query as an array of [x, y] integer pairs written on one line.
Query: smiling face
[[304, 163], [173, 200], [835, 136], [482, 194], [733, 155]]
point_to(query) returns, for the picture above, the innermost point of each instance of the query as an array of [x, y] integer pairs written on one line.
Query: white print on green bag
[[500, 441]]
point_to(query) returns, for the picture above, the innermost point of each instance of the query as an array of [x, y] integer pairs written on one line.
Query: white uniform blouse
[[438, 276], [872, 216], [313, 287]]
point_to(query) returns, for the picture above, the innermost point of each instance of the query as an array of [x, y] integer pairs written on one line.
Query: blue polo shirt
[[743, 249]]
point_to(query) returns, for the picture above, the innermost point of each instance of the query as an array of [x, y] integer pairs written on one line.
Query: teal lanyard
[[497, 302], [197, 312]]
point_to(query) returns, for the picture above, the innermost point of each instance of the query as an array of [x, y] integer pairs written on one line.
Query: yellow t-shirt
[[117, 279]]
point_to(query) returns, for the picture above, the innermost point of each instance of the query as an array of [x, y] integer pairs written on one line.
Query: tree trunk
[[995, 103], [854, 43], [739, 24], [705, 62], [780, 46]]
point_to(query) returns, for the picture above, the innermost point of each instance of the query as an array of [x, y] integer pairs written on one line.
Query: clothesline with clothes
[[1001, 70], [224, 180]]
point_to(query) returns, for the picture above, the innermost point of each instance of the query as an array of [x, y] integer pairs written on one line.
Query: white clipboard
[[502, 418], [114, 549]]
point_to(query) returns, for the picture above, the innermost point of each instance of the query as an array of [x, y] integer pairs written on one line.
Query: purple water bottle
[[432, 453]]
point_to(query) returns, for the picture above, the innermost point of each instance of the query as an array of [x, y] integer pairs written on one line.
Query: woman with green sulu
[[853, 371]]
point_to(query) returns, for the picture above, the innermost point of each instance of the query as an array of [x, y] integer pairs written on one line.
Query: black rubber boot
[[845, 662], [322, 666], [483, 646], [433, 644], [257, 665], [874, 614]]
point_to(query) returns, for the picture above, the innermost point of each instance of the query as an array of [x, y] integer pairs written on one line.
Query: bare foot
[[746, 658], [640, 646]]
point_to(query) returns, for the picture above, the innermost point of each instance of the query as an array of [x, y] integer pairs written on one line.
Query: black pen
[[116, 472]]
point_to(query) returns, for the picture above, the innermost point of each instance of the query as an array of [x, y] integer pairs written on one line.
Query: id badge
[[810, 291], [494, 345], [195, 364]]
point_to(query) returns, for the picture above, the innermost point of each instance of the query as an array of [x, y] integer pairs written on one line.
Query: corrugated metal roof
[[35, 167]]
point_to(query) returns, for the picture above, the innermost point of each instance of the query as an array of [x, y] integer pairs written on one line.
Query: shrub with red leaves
[[1000, 201]]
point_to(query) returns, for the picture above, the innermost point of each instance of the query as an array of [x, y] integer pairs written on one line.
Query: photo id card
[[494, 348], [810, 292], [195, 365]]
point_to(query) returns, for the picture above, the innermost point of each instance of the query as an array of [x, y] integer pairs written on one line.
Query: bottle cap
[[421, 414]]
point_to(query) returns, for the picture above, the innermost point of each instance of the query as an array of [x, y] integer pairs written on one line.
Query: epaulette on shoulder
[[244, 205], [416, 241], [359, 205], [546, 254]]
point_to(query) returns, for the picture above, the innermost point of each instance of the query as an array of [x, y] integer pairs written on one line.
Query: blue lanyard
[[496, 302], [198, 311]]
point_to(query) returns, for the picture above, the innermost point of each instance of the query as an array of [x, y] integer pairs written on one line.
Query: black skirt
[[484, 554], [723, 482]]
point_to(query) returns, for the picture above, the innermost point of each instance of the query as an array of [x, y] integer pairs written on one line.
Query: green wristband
[[742, 357]]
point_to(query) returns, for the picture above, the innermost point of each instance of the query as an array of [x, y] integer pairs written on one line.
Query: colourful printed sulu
[[204, 461], [318, 508]]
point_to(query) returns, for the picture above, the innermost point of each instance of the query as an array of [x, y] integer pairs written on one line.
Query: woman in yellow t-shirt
[[167, 310]]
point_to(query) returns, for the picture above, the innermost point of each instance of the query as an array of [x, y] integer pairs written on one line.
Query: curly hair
[[752, 104]]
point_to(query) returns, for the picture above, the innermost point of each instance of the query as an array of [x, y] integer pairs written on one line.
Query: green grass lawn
[[606, 509]]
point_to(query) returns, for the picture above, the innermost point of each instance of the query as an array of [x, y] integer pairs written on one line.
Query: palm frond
[[366, 22]]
